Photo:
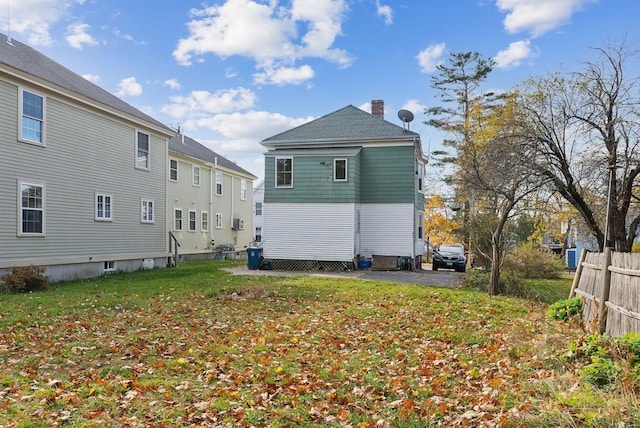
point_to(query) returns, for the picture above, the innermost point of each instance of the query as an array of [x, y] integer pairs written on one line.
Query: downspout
[[211, 217], [235, 235]]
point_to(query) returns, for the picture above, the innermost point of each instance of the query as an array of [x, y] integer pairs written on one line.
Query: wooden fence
[[609, 284]]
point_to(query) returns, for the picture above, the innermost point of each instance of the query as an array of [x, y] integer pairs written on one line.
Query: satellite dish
[[405, 116]]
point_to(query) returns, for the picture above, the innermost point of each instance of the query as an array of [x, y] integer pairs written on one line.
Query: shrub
[[530, 262], [563, 310], [477, 280], [24, 279]]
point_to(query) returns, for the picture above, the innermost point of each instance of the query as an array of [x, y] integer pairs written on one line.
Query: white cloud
[[34, 26], [514, 54], [431, 57], [538, 16], [94, 78], [172, 83], [385, 11], [414, 107], [284, 76], [78, 37], [203, 103], [129, 87], [273, 36]]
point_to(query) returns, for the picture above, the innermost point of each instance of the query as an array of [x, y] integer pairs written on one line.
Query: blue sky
[[231, 73]]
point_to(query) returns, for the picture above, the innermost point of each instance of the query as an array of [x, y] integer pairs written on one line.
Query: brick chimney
[[377, 108]]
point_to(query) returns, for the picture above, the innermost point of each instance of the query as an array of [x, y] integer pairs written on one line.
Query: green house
[[341, 189]]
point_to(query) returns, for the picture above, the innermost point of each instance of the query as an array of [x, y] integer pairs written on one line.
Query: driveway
[[423, 277]]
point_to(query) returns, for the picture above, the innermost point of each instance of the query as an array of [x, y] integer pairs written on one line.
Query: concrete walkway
[[423, 277]]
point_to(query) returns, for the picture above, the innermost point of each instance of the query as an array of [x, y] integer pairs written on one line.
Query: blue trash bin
[[253, 257]]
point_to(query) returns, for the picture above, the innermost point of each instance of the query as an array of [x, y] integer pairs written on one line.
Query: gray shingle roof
[[347, 124], [26, 59], [190, 147]]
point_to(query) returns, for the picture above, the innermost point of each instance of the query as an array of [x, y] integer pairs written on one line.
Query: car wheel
[[434, 267]]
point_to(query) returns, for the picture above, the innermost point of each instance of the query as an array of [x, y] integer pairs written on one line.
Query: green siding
[[387, 175], [313, 181]]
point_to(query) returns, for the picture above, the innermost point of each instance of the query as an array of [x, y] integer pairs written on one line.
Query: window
[[193, 224], [109, 266], [103, 207], [258, 208], [173, 170], [218, 183], [340, 170], [284, 172], [177, 219], [31, 205], [243, 190], [218, 221], [146, 215], [32, 117], [196, 175], [258, 234], [420, 227], [142, 150], [204, 221]]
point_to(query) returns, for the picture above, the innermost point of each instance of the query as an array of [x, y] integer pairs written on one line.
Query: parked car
[[449, 257]]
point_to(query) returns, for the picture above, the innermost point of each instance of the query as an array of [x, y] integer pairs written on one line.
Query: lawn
[[195, 346]]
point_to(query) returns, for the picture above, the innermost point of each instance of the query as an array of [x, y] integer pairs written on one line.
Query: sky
[[231, 73]]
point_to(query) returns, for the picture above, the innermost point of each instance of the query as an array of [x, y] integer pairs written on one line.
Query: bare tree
[[582, 134]]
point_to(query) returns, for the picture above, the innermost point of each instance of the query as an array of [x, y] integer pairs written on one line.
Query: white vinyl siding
[[31, 215], [104, 207], [323, 232], [32, 117], [387, 229]]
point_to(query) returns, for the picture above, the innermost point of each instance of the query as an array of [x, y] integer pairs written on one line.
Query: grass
[[195, 346]]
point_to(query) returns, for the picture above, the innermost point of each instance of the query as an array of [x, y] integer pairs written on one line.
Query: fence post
[[604, 296], [576, 278]]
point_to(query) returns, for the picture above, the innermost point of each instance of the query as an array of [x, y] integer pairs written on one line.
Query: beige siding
[[85, 153], [387, 230], [323, 232]]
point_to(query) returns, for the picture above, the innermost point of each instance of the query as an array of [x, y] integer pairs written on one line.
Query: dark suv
[[449, 257]]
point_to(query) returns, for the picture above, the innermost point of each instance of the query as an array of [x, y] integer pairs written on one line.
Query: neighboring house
[[258, 216], [82, 173], [343, 187], [209, 200]]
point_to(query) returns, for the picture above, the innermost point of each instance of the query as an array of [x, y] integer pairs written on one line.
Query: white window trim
[[103, 217], [243, 190], [261, 208], [144, 202], [148, 167], [195, 221], [109, 266], [194, 175], [220, 181], [346, 169], [204, 225], [21, 91], [290, 186], [218, 220], [171, 169], [44, 209], [175, 228]]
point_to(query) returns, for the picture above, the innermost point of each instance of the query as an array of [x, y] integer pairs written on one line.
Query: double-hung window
[[196, 175], [340, 170], [177, 219], [146, 211], [284, 172], [173, 170], [243, 190], [32, 107], [218, 221], [142, 150], [219, 183], [31, 203], [258, 208], [204, 221], [258, 234], [104, 207], [193, 224]]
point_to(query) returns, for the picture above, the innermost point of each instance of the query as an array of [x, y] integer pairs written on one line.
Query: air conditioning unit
[[238, 224]]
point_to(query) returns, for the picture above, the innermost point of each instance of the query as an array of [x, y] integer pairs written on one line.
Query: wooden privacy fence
[[609, 284]]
